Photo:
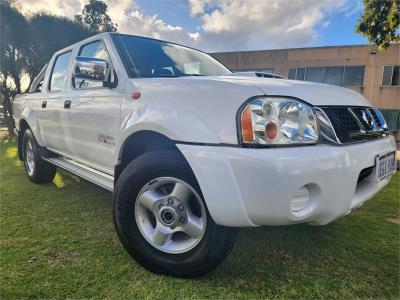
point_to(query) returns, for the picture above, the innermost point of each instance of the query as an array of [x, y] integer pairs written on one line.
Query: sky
[[227, 25]]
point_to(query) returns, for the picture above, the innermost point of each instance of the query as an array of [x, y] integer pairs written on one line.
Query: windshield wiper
[[164, 76], [174, 76], [184, 74]]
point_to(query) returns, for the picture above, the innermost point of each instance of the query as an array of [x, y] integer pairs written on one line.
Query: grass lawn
[[58, 240]]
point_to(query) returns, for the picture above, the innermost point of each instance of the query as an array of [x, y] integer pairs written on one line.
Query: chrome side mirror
[[91, 68]]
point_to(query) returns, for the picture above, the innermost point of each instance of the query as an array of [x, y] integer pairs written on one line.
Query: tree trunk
[[10, 128], [8, 116]]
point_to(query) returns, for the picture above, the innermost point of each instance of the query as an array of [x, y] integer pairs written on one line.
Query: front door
[[91, 124]]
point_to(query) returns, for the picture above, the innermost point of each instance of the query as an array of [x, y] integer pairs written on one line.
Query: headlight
[[277, 121]]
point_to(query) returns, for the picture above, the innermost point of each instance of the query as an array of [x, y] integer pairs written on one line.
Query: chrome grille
[[364, 116], [353, 124]]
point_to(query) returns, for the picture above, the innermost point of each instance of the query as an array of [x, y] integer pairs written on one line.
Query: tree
[[95, 18], [380, 22], [48, 34], [14, 45], [26, 46]]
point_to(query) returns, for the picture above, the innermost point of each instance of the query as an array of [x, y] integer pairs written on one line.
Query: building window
[[338, 75], [333, 75], [391, 76], [353, 76], [314, 74], [300, 73], [292, 74]]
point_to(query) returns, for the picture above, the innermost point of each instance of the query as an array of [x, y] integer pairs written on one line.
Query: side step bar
[[101, 179]]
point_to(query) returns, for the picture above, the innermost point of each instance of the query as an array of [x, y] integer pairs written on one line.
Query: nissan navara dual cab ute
[[191, 151]]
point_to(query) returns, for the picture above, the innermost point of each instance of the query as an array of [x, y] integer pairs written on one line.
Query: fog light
[[300, 200]]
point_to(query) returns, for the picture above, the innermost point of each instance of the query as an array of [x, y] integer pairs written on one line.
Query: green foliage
[[380, 22], [14, 48], [58, 241], [27, 44], [95, 18], [48, 34]]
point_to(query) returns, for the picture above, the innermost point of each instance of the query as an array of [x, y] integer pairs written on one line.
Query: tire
[[207, 250], [37, 169]]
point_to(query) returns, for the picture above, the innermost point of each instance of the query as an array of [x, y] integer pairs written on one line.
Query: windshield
[[144, 57]]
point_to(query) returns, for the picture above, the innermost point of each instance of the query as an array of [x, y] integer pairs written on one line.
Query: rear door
[[52, 104], [92, 122]]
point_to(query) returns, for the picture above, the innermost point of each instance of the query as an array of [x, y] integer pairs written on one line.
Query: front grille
[[365, 118], [343, 122], [375, 116], [355, 124]]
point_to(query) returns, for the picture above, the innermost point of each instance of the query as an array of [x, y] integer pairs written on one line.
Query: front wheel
[[162, 220]]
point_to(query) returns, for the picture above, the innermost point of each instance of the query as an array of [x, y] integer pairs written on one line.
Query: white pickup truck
[[190, 151]]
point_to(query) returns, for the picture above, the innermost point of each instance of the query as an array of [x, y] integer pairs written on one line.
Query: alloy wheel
[[170, 215]]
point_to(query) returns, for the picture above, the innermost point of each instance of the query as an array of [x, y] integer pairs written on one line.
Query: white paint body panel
[[242, 187], [247, 187], [210, 104]]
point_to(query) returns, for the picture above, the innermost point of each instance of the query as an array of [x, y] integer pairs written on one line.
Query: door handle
[[67, 104], [44, 104]]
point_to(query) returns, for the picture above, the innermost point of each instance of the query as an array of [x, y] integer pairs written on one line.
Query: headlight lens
[[278, 121]]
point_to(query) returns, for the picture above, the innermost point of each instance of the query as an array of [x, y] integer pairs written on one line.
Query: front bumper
[[250, 187]]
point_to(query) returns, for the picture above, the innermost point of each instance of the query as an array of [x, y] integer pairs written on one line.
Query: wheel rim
[[170, 215], [29, 158]]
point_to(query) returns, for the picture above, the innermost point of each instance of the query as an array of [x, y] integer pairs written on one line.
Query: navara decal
[[105, 139]]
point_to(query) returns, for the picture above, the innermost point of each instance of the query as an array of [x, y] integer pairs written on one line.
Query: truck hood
[[188, 107], [313, 93]]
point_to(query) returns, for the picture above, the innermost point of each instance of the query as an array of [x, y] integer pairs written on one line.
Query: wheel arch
[[23, 126], [141, 142], [31, 124]]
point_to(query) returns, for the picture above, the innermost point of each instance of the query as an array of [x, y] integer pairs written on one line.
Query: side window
[[59, 71], [97, 50]]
